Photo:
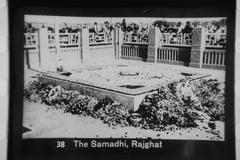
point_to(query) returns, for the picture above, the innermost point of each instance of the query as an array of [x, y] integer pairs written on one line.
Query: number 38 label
[[60, 145]]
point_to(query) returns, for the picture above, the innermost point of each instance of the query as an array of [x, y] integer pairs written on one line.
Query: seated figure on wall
[[96, 28], [107, 28], [28, 28]]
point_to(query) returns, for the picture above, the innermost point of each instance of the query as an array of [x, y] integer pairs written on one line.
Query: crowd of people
[[106, 28], [178, 28], [210, 28], [64, 28], [28, 28], [141, 30], [175, 30], [164, 28], [137, 29]]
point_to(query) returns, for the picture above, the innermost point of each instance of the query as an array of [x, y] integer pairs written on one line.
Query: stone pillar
[[45, 63], [198, 45], [59, 65], [85, 46], [153, 44], [118, 41], [121, 36]]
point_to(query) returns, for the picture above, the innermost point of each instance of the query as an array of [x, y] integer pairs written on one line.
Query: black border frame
[[133, 8]]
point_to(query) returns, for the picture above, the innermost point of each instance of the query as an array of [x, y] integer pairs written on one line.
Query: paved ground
[[47, 122], [219, 74]]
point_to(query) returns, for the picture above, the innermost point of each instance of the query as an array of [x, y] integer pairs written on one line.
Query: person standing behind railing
[[158, 34], [124, 25], [28, 29], [221, 35], [187, 33], [188, 28], [142, 32], [107, 28], [129, 29], [163, 29], [179, 28], [174, 32], [139, 31]]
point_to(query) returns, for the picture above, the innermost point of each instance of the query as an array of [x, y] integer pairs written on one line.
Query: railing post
[[118, 41], [198, 46], [85, 45], [45, 63], [153, 44]]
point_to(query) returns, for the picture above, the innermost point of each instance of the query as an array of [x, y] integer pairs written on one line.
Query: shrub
[[109, 111], [182, 103]]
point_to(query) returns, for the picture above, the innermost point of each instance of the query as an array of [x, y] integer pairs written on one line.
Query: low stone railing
[[100, 39], [198, 49], [216, 40], [131, 38], [31, 41], [174, 39]]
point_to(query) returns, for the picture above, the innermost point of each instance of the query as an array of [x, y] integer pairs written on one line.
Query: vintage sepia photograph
[[124, 77]]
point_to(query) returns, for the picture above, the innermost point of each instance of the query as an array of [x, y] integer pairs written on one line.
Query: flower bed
[[184, 103], [109, 111]]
